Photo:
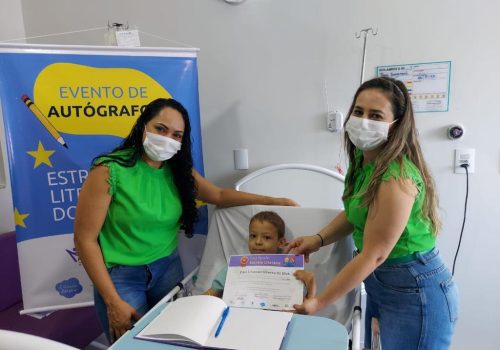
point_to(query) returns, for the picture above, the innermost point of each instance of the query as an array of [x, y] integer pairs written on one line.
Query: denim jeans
[[141, 286], [416, 304]]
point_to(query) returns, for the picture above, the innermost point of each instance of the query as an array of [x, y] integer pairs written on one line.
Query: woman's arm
[[226, 197], [93, 204], [386, 220], [337, 229]]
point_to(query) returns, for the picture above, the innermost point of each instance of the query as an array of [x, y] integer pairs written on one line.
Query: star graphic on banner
[[41, 155], [19, 218]]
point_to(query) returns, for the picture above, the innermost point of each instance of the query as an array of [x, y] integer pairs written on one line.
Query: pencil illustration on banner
[[43, 119]]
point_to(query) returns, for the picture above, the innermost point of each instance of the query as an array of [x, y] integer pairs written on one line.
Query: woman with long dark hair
[[391, 210], [131, 207]]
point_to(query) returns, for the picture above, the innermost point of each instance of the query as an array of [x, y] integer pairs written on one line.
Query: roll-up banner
[[62, 106]]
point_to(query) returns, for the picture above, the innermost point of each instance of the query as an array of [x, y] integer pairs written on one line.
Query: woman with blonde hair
[[391, 210]]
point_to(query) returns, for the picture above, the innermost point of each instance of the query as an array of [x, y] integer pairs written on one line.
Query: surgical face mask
[[160, 148], [367, 134]]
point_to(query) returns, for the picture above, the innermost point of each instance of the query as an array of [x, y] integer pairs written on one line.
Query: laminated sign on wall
[[427, 83]]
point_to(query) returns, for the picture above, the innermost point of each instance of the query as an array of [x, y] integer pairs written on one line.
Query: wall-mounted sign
[[427, 83]]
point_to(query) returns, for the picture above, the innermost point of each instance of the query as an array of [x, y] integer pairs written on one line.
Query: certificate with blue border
[[264, 281]]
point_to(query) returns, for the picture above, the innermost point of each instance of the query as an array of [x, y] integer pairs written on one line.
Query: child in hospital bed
[[266, 236]]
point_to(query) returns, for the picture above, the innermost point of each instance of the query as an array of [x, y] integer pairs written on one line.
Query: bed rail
[[287, 166]]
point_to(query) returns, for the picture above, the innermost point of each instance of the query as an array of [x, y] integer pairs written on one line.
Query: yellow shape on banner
[[83, 100], [199, 203], [41, 155], [19, 218]]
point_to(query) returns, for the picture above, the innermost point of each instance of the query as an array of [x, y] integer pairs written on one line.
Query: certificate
[[264, 281]]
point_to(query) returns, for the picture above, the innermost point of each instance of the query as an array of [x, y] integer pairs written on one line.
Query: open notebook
[[193, 321]]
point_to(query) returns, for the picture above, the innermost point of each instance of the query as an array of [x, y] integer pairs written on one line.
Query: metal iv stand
[[364, 32]]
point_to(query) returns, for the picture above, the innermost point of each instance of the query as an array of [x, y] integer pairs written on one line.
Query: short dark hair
[[273, 218]]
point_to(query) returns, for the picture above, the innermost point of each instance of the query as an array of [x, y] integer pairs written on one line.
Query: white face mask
[[367, 134], [160, 148]]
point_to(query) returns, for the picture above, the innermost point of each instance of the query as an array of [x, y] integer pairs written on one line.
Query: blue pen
[[223, 318]]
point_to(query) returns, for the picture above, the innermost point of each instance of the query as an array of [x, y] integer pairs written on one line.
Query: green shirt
[[143, 217], [417, 235]]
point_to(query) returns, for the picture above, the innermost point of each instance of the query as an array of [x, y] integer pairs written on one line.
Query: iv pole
[[364, 32]]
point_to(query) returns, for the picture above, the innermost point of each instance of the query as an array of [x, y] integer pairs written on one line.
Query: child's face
[[263, 238]]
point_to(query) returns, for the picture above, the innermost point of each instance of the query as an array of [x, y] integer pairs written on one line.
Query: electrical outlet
[[465, 156]]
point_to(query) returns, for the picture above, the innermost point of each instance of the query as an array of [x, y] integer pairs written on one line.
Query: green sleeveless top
[[143, 217], [418, 234]]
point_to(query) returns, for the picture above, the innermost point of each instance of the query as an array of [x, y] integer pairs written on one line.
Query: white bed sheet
[[228, 235]]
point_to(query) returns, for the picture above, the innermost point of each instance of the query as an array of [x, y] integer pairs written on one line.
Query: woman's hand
[[286, 202], [309, 306], [304, 245], [121, 316], [307, 277]]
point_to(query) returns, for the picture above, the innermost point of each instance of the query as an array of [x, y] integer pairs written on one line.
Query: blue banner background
[[30, 185]]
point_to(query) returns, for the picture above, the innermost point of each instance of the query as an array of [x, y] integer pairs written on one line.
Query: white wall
[[262, 66], [11, 27]]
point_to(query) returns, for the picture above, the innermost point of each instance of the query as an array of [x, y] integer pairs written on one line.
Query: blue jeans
[[416, 304], [141, 286]]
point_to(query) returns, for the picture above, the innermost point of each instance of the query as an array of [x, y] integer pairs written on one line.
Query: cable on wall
[[466, 167], [113, 25], [53, 34]]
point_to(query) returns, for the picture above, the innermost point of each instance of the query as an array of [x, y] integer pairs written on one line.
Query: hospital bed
[[318, 190]]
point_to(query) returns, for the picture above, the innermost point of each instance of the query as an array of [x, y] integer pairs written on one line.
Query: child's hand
[[213, 293], [307, 277]]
